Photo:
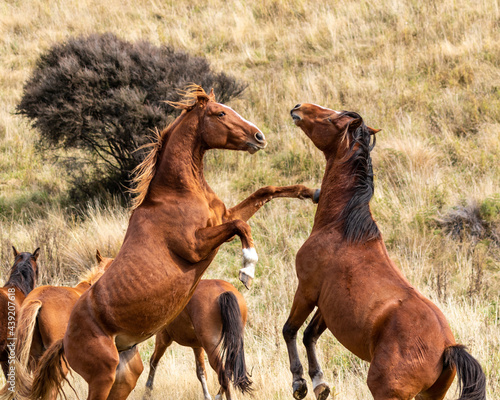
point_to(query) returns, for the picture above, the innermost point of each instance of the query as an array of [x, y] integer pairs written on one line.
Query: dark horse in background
[[212, 322], [173, 235], [362, 297], [22, 280]]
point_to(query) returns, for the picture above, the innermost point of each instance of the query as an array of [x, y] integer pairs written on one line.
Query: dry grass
[[425, 72]]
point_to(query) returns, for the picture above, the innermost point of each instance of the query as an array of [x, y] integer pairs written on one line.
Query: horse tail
[[471, 378], [50, 373], [24, 332], [233, 366]]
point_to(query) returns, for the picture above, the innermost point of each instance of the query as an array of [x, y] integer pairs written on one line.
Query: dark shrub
[[103, 96], [470, 222]]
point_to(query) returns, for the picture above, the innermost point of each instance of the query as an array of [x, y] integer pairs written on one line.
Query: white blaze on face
[[243, 119], [326, 109]]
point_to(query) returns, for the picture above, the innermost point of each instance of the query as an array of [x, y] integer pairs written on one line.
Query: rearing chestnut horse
[[173, 235], [362, 297]]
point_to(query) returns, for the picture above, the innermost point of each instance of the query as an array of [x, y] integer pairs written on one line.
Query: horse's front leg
[[301, 308], [248, 207], [208, 239]]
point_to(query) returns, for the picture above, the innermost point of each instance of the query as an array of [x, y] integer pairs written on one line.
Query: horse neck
[[181, 160], [336, 191], [346, 192]]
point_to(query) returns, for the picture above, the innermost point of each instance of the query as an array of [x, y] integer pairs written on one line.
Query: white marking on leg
[[205, 388], [318, 379], [250, 258]]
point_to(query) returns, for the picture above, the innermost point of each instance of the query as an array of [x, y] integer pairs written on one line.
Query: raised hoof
[[246, 279], [321, 391], [299, 389]]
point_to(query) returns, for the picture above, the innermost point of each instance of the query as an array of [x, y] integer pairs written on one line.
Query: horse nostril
[[260, 137], [297, 106]]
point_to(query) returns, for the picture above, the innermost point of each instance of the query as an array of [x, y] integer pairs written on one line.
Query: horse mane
[[146, 170], [91, 276], [23, 277], [356, 218]]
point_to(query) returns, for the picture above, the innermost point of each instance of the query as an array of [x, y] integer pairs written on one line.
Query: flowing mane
[[146, 170], [91, 276], [356, 218]]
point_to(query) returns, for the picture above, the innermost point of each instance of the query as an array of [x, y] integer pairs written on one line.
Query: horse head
[[333, 132], [24, 271], [221, 126]]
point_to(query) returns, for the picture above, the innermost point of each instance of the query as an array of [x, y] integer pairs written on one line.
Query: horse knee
[[309, 338], [289, 332]]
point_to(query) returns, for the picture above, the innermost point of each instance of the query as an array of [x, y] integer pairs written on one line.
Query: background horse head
[[24, 271]]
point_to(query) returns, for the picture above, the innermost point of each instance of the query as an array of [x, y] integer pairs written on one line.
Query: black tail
[[233, 366], [471, 378]]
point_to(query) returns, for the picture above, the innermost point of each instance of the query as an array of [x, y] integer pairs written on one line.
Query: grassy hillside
[[427, 74]]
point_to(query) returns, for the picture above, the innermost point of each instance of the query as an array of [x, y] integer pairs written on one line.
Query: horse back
[[53, 316]]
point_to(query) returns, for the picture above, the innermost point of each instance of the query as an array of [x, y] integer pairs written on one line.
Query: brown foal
[[212, 322], [174, 233], [22, 279], [362, 297]]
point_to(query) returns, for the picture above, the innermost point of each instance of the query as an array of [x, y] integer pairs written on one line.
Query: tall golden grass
[[425, 72]]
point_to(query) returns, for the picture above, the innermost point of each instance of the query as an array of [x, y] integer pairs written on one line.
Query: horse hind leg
[[127, 373], [438, 390], [301, 308], [216, 363], [201, 373], [313, 331], [162, 341]]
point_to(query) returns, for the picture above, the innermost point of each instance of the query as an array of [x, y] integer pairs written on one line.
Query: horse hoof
[[246, 279], [321, 391], [147, 394], [316, 194], [299, 389]]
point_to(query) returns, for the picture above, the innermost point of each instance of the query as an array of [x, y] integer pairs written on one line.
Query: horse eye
[[221, 114]]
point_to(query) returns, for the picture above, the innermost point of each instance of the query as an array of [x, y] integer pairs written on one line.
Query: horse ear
[[98, 256], [211, 95], [373, 131], [355, 123], [36, 253], [15, 251]]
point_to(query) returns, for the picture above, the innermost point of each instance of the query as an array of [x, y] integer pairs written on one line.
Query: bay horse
[[175, 230], [212, 322], [22, 280], [362, 297], [43, 318]]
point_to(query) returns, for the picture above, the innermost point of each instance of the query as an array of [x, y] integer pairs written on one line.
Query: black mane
[[358, 224], [22, 275]]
